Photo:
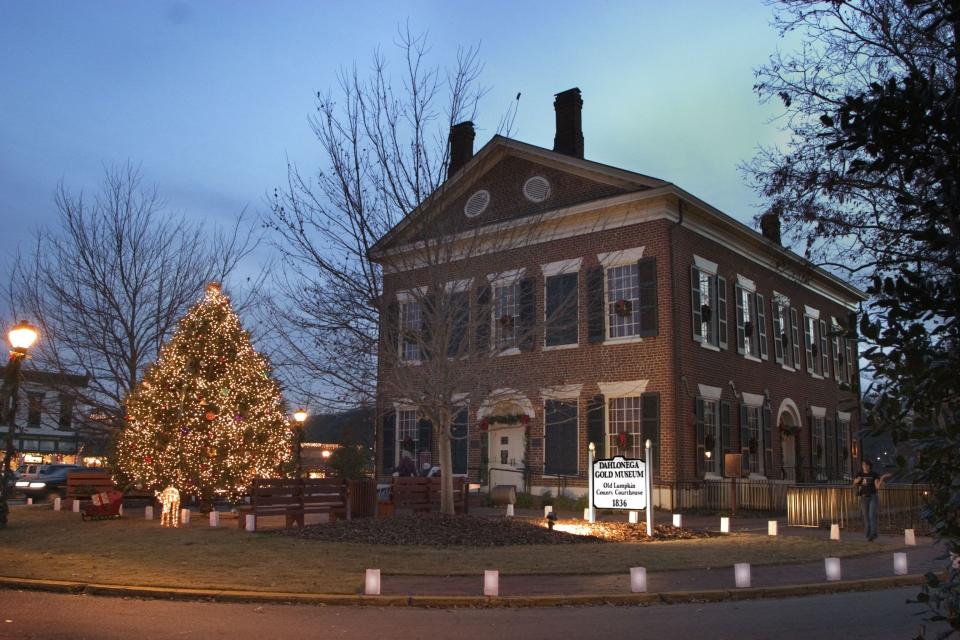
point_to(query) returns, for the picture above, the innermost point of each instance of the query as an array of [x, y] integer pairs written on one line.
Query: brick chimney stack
[[770, 227], [461, 146], [569, 138]]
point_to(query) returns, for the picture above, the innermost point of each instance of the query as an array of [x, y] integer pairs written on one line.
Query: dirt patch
[[436, 530]]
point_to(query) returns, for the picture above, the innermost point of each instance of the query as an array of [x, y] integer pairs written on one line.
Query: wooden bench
[[83, 484], [295, 498], [423, 494]]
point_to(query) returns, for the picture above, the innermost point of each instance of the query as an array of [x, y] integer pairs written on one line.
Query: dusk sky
[[211, 98]]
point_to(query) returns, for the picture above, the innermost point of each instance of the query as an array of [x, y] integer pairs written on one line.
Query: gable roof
[[498, 147]]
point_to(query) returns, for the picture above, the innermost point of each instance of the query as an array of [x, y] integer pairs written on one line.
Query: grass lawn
[[41, 543]]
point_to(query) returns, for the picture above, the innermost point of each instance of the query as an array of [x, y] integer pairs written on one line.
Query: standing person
[[868, 484]]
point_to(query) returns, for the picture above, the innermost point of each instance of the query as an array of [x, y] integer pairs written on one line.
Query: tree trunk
[[446, 471]]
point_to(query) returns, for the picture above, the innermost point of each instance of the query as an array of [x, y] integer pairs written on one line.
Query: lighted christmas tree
[[207, 417]]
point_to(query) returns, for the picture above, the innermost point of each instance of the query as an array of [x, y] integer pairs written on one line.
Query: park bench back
[[83, 484], [423, 494]]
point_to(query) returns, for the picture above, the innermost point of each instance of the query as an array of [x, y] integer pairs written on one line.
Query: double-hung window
[[811, 340], [623, 428], [708, 301], [748, 334], [843, 437], [819, 440], [754, 443], [824, 350], [506, 315], [851, 369], [630, 294], [66, 410], [782, 351], [561, 438], [708, 436], [561, 310], [835, 342], [34, 408], [408, 433], [411, 329]]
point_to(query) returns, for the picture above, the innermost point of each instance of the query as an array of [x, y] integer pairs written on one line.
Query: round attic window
[[476, 204], [536, 189]]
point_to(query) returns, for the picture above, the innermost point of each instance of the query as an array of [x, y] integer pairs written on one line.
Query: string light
[[170, 500], [207, 417]]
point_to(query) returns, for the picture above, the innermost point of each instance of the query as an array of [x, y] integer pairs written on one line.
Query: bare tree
[[383, 140], [107, 285]]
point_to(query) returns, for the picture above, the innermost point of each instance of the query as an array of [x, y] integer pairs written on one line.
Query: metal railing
[[764, 496], [823, 505]]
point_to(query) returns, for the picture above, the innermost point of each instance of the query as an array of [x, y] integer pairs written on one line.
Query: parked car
[[39, 481]]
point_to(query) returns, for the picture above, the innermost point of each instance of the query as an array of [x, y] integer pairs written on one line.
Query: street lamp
[[21, 336], [299, 417]]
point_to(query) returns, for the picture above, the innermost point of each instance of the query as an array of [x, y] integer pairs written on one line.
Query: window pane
[[623, 417], [623, 301], [506, 314], [411, 321]]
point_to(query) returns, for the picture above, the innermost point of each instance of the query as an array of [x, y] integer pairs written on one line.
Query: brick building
[[686, 327]]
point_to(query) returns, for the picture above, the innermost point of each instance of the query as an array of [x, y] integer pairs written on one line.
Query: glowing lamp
[[708, 454], [724, 525], [741, 575], [300, 416], [900, 564], [677, 520], [22, 336], [834, 532], [832, 566], [491, 583], [371, 582], [638, 579], [771, 527], [325, 453], [547, 510], [909, 538], [633, 517]]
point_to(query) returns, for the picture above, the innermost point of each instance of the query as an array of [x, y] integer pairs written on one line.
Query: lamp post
[[21, 336], [299, 419]]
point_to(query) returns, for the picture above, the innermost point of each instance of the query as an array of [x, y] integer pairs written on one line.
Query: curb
[[449, 602]]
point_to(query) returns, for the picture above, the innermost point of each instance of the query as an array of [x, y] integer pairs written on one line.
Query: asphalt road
[[875, 615]]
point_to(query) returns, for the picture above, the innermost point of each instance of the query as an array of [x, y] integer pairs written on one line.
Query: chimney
[[461, 146], [770, 227], [569, 138]]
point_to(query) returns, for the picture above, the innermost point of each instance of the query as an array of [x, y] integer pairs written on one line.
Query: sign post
[[592, 514], [649, 487]]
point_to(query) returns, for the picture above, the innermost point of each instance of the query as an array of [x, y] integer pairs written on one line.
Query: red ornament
[[210, 416], [148, 459]]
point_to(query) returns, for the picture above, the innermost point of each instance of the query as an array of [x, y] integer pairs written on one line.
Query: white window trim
[[753, 399], [397, 408], [494, 285], [844, 416], [710, 393], [411, 295], [561, 392], [707, 266], [560, 347], [612, 259], [818, 412], [505, 278], [623, 340], [458, 286], [561, 267], [780, 299], [627, 388], [811, 312], [708, 346], [751, 357], [512, 351], [746, 283], [606, 313]]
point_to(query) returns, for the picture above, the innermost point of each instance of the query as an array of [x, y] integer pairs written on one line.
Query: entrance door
[[788, 449], [507, 452]]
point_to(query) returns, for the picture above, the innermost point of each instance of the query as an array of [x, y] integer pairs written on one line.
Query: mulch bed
[[436, 530]]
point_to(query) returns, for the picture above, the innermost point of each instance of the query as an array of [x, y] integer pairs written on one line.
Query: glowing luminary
[[371, 585], [170, 501], [638, 579], [832, 567], [900, 564], [741, 574], [491, 583], [771, 527]]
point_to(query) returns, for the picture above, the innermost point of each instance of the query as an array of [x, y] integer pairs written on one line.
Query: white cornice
[[623, 389]]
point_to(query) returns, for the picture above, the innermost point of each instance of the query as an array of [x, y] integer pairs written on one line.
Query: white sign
[[620, 483]]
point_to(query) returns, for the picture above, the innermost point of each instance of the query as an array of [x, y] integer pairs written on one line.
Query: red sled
[[103, 506]]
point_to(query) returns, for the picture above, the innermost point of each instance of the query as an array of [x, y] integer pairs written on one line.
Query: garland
[[509, 419], [789, 430]]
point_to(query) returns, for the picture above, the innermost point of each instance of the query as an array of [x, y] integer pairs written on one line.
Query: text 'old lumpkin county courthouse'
[[687, 327]]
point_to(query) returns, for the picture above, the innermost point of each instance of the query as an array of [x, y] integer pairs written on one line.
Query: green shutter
[[596, 425], [482, 319], [700, 446], [650, 430], [388, 443], [596, 305], [767, 433], [649, 313]]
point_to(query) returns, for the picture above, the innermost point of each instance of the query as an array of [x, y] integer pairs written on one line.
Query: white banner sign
[[620, 483]]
